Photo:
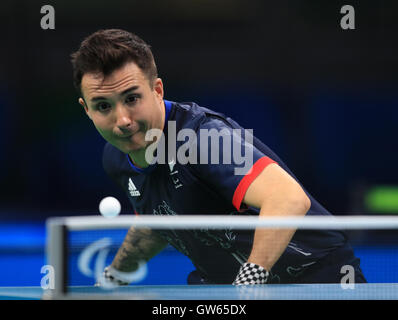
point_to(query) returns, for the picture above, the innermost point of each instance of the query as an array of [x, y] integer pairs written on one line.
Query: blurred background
[[324, 99]]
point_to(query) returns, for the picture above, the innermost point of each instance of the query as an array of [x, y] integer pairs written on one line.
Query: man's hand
[[111, 278], [129, 264]]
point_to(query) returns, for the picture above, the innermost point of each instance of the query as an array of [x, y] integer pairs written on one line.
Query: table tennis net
[[79, 248]]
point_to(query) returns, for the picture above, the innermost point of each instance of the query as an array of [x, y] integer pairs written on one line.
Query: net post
[[57, 254]]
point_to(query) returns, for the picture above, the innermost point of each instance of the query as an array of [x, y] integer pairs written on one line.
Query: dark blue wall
[[324, 99]]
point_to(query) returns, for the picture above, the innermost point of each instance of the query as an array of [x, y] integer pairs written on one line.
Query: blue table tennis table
[[368, 291]]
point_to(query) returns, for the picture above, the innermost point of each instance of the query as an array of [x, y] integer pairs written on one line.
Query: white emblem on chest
[[173, 174]]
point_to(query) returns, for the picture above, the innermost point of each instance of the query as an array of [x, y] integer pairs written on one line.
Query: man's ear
[[83, 103], [158, 87]]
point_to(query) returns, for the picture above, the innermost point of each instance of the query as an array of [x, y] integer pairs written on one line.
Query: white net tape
[[232, 222]]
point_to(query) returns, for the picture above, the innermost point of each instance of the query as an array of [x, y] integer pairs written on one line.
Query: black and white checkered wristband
[[251, 273], [110, 274]]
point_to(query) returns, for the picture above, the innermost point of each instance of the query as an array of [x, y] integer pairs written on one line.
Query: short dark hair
[[107, 50]]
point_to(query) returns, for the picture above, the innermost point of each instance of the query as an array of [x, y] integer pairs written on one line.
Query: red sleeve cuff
[[244, 184]]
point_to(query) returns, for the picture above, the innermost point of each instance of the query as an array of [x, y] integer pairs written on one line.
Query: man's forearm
[[275, 193], [138, 245], [269, 244]]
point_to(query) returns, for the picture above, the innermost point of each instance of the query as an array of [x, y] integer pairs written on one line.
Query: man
[[116, 75]]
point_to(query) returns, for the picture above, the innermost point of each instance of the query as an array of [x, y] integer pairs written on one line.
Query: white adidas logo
[[133, 190]]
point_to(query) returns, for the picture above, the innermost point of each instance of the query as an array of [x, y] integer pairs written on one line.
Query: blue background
[[22, 257]]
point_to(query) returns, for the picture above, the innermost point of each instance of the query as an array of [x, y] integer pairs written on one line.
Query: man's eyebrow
[[133, 88]]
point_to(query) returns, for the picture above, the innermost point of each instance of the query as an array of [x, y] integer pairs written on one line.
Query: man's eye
[[131, 99], [103, 106]]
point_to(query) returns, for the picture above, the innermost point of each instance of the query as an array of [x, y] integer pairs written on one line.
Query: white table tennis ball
[[109, 207]]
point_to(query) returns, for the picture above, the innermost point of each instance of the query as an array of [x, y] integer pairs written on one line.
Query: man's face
[[123, 106]]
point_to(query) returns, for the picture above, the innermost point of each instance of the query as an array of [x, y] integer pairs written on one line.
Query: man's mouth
[[129, 135], [126, 136]]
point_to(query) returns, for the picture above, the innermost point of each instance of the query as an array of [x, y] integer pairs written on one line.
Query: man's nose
[[123, 120]]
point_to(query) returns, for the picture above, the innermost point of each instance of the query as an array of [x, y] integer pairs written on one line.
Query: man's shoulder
[[192, 115], [195, 109], [109, 149], [112, 159]]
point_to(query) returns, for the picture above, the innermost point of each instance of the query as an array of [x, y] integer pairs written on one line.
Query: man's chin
[[134, 150], [131, 148]]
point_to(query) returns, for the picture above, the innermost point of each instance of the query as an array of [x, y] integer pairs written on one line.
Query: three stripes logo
[[133, 190]]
